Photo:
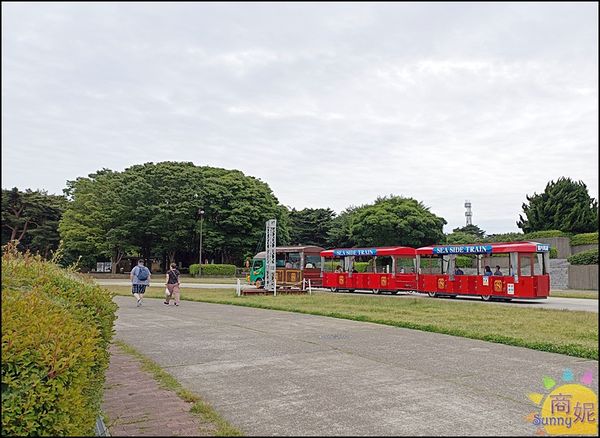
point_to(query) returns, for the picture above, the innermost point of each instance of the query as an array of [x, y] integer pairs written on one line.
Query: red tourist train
[[493, 271]]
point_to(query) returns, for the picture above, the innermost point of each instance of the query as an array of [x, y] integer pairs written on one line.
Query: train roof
[[372, 251], [310, 249], [484, 248]]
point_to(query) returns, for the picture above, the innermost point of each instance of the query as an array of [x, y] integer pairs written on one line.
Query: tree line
[[152, 210]]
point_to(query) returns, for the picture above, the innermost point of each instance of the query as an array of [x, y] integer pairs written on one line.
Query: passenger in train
[[338, 269], [458, 271], [498, 271], [487, 271]]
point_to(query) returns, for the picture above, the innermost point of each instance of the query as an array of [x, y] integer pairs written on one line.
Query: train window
[[526, 263], [315, 260], [405, 265], [381, 264], [430, 265], [331, 264]]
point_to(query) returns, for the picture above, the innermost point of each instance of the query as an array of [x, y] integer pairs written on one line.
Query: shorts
[[138, 288]]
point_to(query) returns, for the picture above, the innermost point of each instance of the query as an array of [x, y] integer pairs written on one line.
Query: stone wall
[[559, 274], [562, 245], [583, 277]]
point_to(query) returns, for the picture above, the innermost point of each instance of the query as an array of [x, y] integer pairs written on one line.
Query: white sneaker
[[139, 302]]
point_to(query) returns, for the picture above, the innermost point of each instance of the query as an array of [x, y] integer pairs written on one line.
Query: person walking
[[140, 279], [172, 285]]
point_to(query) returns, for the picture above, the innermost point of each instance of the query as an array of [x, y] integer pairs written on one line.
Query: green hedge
[[553, 252], [464, 261], [361, 266], [213, 269], [585, 258], [56, 327], [546, 233], [584, 239]]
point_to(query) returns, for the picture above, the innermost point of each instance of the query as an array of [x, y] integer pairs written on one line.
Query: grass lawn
[[558, 331], [587, 294]]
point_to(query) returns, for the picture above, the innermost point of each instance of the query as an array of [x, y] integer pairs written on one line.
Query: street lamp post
[[201, 213]]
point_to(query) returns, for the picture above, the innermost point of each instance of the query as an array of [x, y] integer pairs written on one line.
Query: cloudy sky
[[331, 104]]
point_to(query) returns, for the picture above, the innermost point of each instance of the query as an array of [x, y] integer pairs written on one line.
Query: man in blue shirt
[[140, 279]]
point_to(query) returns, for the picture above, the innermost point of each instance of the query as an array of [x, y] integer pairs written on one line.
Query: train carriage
[[293, 265], [522, 270], [390, 269]]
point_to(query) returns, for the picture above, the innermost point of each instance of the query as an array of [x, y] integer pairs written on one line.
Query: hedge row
[[213, 269], [585, 239], [585, 258], [546, 233], [56, 328]]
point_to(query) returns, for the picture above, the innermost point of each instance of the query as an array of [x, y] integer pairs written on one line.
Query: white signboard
[[510, 289], [486, 281]]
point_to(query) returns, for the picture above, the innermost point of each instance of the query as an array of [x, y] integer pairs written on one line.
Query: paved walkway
[[279, 373], [136, 406]]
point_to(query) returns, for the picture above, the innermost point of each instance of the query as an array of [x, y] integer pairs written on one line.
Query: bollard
[[239, 288], [309, 288]]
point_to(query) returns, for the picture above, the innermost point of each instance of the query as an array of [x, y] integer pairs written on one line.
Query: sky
[[331, 104]]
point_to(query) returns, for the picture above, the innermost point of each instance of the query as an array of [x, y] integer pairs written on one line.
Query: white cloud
[[331, 104]]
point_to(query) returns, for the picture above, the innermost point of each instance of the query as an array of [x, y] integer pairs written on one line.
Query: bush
[[464, 262], [546, 233], [584, 239], [504, 237], [585, 258], [361, 266], [226, 270], [553, 252], [56, 327]]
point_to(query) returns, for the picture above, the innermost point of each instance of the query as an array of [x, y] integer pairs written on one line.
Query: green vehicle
[[294, 263]]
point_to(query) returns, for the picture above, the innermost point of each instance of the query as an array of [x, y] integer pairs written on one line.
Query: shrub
[[546, 233], [56, 327], [228, 270], [585, 258], [553, 252], [361, 266], [505, 237], [584, 239], [464, 262]]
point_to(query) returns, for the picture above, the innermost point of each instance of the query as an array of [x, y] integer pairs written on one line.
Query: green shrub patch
[[213, 269], [56, 328], [589, 257], [584, 239]]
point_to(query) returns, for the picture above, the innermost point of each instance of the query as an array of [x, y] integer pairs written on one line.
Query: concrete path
[[556, 303], [130, 403], [278, 373]]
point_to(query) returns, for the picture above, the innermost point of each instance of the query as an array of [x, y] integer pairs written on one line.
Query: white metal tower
[[271, 243], [468, 213]]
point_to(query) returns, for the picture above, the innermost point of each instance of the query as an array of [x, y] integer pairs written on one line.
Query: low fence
[[583, 277]]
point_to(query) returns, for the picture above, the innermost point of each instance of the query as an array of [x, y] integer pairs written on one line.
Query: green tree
[[470, 229], [459, 237], [310, 226], [340, 232], [32, 217], [396, 220], [96, 223], [153, 209], [564, 205]]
